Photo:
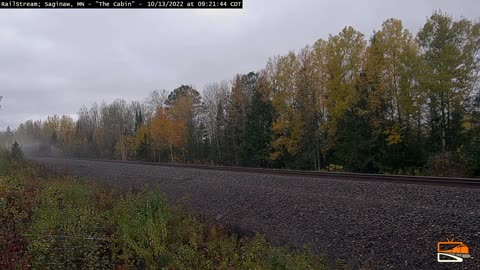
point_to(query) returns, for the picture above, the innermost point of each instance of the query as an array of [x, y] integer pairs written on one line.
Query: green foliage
[[357, 150], [67, 229], [259, 255], [254, 149], [144, 150], [16, 153], [143, 233], [238, 103], [471, 151], [449, 75]]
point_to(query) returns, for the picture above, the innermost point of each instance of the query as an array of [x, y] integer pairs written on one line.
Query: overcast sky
[[54, 61]]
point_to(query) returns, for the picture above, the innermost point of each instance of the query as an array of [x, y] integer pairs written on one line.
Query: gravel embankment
[[375, 224]]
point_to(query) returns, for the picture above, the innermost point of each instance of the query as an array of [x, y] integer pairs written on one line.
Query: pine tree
[[16, 152], [254, 149], [144, 150]]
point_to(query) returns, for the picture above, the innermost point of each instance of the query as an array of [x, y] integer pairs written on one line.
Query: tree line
[[395, 103]]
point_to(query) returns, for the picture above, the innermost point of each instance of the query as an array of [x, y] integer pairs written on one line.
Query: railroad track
[[422, 180]]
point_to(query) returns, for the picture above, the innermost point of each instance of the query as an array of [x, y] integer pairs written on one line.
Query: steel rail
[[424, 180]]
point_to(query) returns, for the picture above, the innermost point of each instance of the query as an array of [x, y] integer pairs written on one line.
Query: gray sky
[[54, 61]]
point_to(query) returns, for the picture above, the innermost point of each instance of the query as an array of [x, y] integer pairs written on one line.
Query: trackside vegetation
[[51, 221]]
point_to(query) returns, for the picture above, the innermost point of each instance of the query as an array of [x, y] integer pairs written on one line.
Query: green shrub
[[141, 229], [259, 254], [67, 231]]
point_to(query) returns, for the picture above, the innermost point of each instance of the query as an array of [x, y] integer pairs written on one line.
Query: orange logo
[[452, 252]]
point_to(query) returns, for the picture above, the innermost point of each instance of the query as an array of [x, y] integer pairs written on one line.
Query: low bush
[[334, 168], [448, 164]]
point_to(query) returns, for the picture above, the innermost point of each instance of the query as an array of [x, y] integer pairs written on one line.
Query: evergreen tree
[[237, 109], [254, 149], [144, 150], [16, 152], [138, 119]]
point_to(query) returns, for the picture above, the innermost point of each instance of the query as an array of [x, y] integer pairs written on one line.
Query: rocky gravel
[[370, 225]]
